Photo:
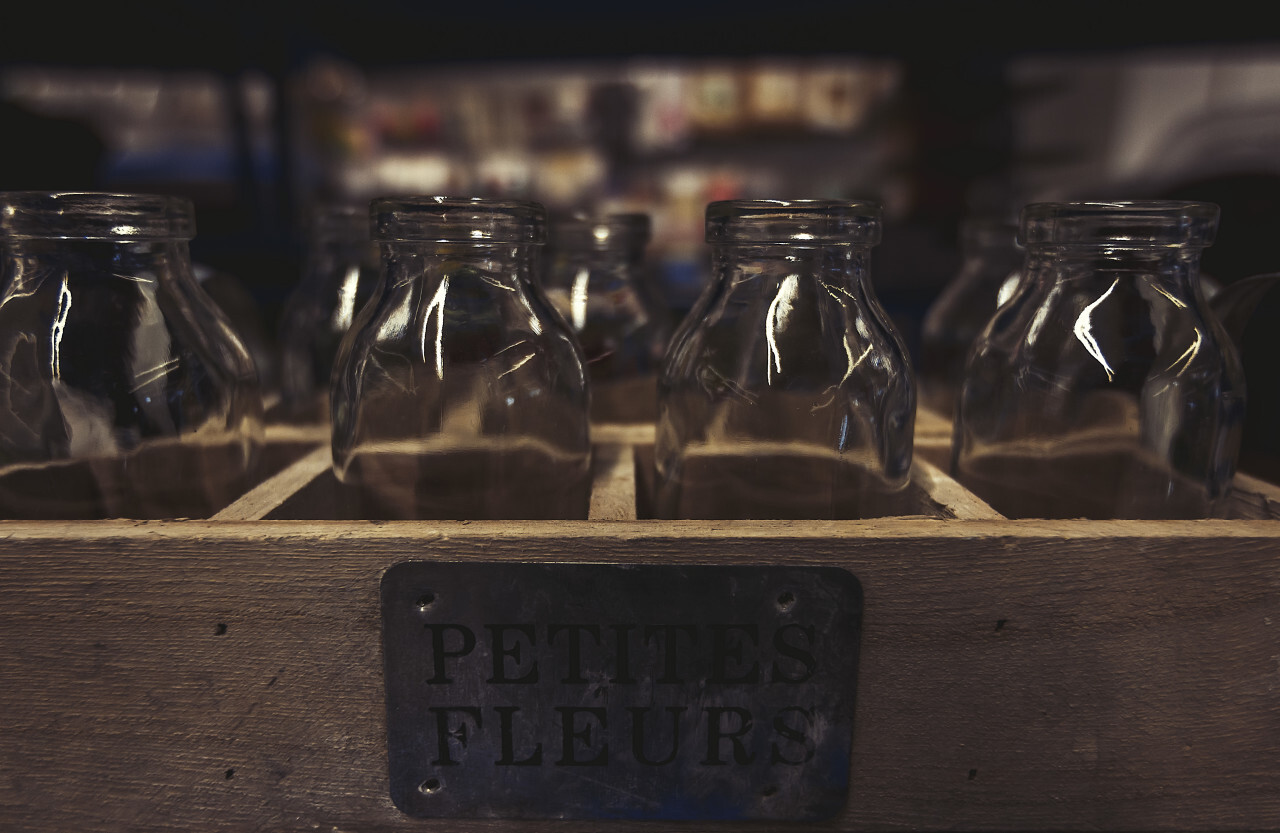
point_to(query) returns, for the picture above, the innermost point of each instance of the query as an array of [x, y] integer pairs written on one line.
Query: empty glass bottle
[[1105, 388], [596, 281], [339, 270], [989, 272], [124, 390], [241, 308], [786, 392], [459, 392]]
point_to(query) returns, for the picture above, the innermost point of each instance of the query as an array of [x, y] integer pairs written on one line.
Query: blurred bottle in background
[[989, 272], [339, 271], [596, 279], [245, 316]]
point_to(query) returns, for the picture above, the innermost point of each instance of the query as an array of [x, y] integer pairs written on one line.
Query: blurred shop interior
[[940, 111]]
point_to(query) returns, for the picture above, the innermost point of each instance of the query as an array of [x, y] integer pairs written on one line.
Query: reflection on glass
[[1105, 388], [458, 393], [786, 393], [124, 391]]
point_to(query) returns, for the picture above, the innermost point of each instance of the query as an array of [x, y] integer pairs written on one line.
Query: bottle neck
[[989, 264], [612, 257], [329, 263], [1175, 269], [613, 266], [505, 266], [846, 267], [77, 261]]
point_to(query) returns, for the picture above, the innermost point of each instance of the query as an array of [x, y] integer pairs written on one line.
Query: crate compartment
[[623, 481]]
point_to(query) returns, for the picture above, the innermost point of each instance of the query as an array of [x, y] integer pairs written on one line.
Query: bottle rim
[[87, 215], [795, 222], [623, 230], [458, 220], [1120, 224]]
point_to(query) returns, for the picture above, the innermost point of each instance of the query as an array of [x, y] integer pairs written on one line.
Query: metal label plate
[[597, 691]]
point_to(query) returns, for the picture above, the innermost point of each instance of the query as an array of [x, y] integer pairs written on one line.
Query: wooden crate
[[1017, 675]]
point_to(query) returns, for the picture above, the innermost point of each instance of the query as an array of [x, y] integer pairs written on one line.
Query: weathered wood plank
[[1015, 675], [1254, 498], [613, 483], [954, 498], [268, 495]]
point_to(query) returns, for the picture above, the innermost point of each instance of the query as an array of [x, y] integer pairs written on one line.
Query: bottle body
[[1105, 388], [458, 393], [595, 280], [127, 392], [786, 393]]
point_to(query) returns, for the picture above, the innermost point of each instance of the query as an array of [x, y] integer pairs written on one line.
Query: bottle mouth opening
[[31, 215], [458, 220], [1121, 224], [797, 222], [611, 231]]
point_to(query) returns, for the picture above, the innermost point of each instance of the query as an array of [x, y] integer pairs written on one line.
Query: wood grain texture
[[1015, 675], [1254, 499], [268, 495], [958, 501], [613, 483]]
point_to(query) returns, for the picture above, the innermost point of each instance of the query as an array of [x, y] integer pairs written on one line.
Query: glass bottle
[[786, 393], [241, 308], [459, 392], [125, 391], [1104, 388], [596, 281], [990, 268], [339, 270]]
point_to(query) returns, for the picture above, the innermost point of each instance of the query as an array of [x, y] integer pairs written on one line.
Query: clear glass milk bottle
[[458, 392], [989, 272], [1105, 388], [595, 279], [786, 392], [124, 390], [339, 270]]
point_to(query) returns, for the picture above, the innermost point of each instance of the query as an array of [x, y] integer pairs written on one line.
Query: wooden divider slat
[[613, 483], [259, 501], [960, 502]]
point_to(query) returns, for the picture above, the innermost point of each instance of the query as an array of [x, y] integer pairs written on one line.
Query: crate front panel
[[1014, 675]]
